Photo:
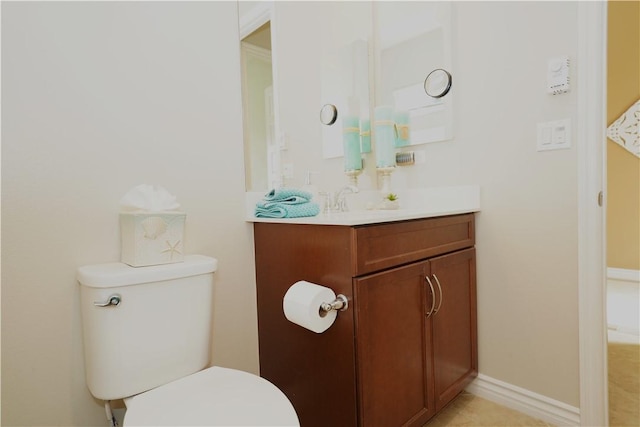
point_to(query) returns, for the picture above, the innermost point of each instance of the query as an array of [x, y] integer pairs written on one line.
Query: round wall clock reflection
[[328, 114], [438, 83]]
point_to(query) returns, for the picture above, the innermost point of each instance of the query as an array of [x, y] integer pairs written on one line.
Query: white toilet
[[146, 340]]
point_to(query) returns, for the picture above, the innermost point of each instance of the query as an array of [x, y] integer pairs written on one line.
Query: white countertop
[[414, 204]]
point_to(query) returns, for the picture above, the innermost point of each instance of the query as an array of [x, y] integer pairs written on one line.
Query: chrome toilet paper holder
[[339, 304]]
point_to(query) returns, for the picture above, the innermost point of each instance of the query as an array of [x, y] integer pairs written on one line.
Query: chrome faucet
[[337, 202], [341, 199]]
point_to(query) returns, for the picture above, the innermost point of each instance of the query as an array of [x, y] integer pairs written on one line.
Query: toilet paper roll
[[301, 305]]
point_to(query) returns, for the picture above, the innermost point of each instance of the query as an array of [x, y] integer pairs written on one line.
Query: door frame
[[591, 143]]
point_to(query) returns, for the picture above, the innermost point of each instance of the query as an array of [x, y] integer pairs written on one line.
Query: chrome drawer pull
[[440, 289], [433, 293]]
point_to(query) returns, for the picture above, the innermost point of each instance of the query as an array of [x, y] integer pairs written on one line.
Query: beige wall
[[527, 233], [623, 168], [98, 97]]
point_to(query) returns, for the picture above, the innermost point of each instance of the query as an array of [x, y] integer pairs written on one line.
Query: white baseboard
[[623, 274], [525, 401]]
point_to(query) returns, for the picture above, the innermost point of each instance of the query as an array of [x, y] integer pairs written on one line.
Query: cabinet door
[[454, 324], [392, 346]]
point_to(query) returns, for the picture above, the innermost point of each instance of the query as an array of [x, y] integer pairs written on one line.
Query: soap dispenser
[[310, 187]]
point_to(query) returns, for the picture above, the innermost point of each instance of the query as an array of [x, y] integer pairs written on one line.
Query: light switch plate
[[558, 75], [554, 135]]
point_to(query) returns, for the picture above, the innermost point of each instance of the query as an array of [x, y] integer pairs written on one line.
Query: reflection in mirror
[[413, 39], [261, 152], [328, 114], [345, 73], [438, 83]]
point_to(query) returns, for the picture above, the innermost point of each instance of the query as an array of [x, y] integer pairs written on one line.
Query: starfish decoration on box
[[172, 249], [624, 130]]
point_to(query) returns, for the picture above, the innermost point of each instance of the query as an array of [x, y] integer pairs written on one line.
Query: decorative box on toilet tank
[[152, 238]]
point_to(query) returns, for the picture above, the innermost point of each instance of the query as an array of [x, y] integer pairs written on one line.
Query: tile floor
[[623, 318], [470, 410], [624, 384]]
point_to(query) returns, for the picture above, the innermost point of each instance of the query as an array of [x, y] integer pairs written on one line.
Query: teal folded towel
[[286, 203], [290, 196], [283, 210]]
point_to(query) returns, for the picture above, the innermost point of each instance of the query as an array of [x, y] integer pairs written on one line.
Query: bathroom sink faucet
[[337, 202]]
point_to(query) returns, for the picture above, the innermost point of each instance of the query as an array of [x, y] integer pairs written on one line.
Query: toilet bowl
[[213, 397], [147, 340]]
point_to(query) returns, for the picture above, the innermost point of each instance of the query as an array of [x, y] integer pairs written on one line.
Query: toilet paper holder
[[339, 304]]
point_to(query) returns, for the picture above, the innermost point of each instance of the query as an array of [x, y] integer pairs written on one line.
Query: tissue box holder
[[149, 238]]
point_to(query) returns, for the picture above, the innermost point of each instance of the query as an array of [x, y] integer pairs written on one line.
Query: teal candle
[[351, 142], [401, 119], [365, 136], [385, 137]]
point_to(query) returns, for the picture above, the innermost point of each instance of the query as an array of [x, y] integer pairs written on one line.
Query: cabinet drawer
[[382, 246]]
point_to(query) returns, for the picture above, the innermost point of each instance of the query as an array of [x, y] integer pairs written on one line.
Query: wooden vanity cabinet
[[405, 346]]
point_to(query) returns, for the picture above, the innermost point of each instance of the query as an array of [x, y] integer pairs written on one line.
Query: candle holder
[[353, 176], [385, 173]]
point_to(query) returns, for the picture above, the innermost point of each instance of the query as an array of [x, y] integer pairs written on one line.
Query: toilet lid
[[213, 397]]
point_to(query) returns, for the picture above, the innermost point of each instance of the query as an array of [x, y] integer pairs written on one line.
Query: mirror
[[325, 54], [345, 73], [261, 151], [413, 57], [319, 55]]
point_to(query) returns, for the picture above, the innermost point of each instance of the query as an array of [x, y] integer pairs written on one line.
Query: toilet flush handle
[[113, 300]]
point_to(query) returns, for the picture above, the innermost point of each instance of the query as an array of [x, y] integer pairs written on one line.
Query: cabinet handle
[[440, 289], [433, 293]]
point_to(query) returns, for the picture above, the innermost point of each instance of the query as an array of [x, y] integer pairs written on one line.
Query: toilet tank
[[158, 332]]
